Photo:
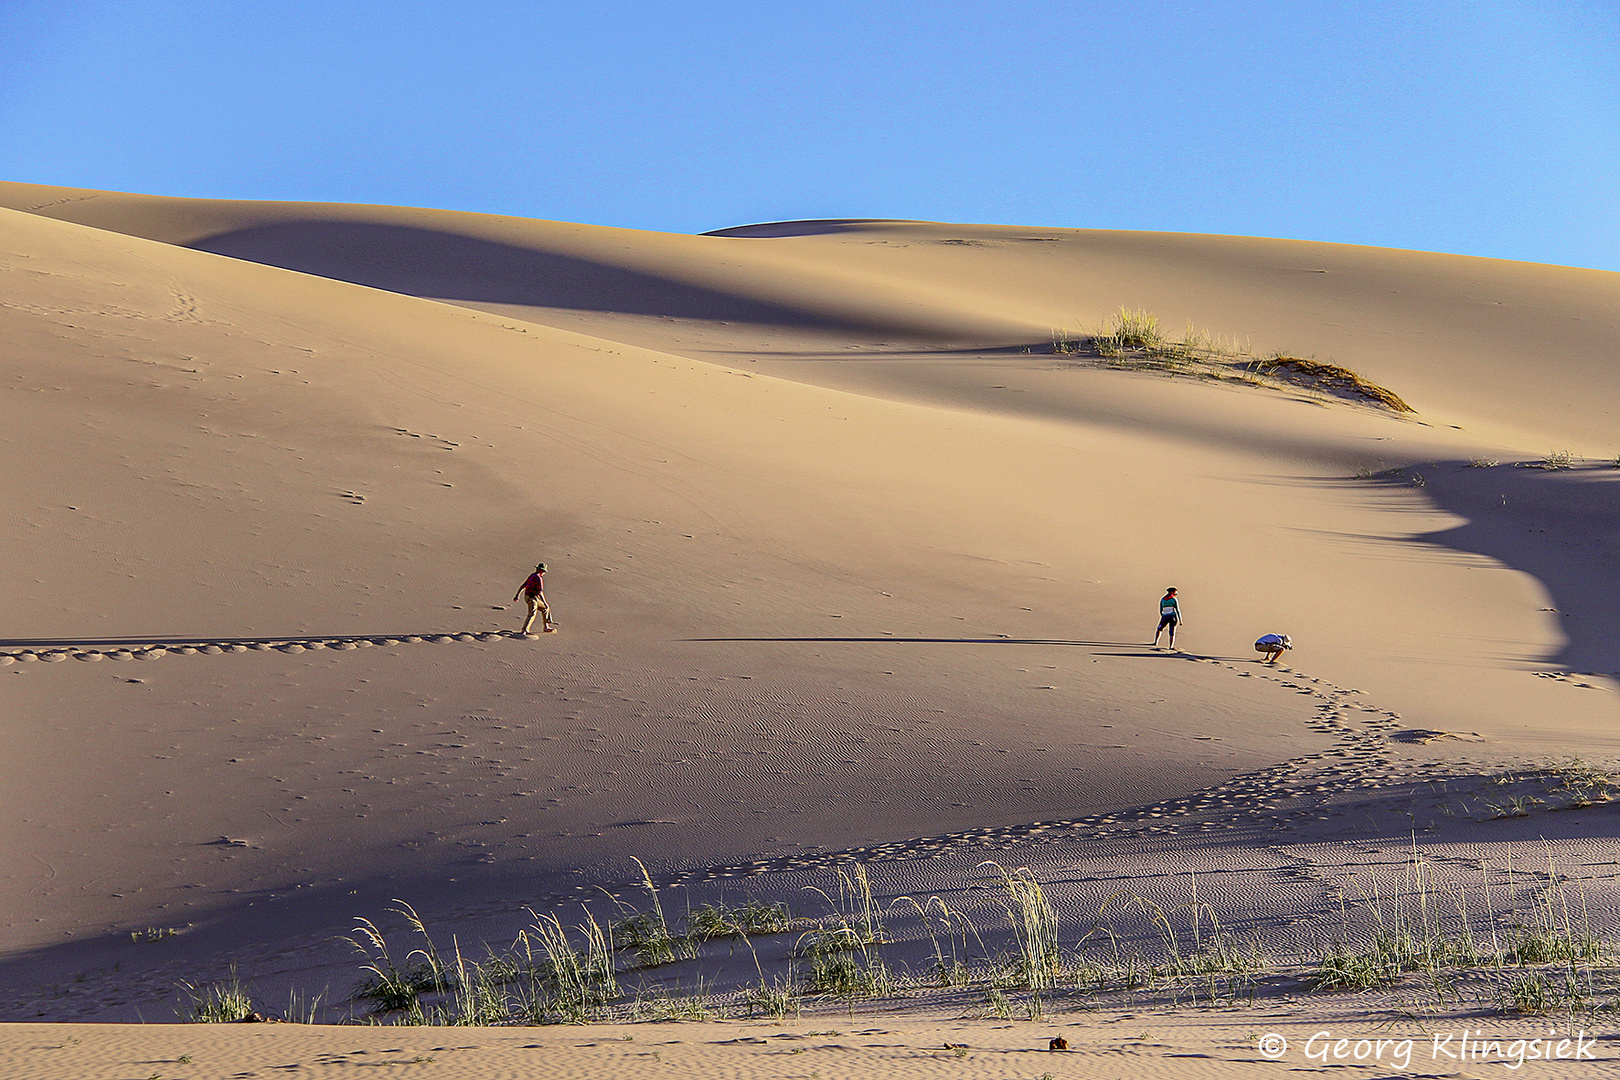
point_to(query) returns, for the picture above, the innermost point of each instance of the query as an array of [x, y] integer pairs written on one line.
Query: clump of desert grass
[[843, 953], [1554, 460], [1135, 340], [1418, 930], [840, 963], [719, 921], [1133, 331], [1037, 962], [770, 999], [1066, 343], [1542, 993], [391, 986], [220, 1003], [543, 977], [647, 933]]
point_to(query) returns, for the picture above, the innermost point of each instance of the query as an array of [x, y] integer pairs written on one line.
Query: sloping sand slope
[[838, 564], [1511, 350]]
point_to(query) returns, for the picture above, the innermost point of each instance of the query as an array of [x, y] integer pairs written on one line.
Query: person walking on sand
[[534, 592], [1273, 645], [1169, 617]]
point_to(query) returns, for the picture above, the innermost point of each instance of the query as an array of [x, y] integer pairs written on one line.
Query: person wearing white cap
[[1273, 645]]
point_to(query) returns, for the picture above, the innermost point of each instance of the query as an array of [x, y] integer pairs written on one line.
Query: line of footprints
[[215, 648], [1250, 801]]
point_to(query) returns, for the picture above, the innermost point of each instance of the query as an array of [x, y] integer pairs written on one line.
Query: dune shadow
[[281, 930], [808, 227], [441, 265], [910, 351], [1559, 525]]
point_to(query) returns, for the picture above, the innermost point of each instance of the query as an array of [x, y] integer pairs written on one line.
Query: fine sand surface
[[847, 1047], [848, 564]]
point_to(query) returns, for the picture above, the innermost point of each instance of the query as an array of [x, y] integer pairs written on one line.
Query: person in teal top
[[1169, 617]]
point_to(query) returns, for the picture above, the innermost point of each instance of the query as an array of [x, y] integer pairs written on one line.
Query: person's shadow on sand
[[1132, 649], [993, 639]]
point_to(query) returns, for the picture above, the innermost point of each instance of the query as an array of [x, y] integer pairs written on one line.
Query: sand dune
[[846, 560], [1458, 335]]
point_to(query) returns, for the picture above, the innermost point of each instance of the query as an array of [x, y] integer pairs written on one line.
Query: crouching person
[[1273, 645]]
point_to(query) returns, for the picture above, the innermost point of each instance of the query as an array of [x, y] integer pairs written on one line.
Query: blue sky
[[1486, 128]]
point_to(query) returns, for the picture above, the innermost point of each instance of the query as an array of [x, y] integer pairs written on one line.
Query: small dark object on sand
[[1058, 1043]]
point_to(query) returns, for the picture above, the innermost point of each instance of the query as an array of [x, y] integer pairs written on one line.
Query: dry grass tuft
[[1135, 341], [1331, 377], [1555, 459]]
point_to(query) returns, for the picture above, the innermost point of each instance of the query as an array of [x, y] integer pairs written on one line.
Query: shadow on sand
[[443, 265], [1559, 525], [992, 640], [1129, 648]]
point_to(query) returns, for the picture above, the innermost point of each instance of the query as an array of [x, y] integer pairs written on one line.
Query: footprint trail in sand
[[1312, 787], [156, 651]]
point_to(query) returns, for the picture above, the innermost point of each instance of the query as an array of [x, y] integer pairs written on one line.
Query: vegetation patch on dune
[[1332, 377], [1136, 341], [1514, 941]]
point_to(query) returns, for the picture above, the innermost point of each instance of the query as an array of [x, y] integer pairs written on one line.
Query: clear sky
[[1489, 127]]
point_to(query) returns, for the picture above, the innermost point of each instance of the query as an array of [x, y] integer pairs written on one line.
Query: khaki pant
[[537, 606]]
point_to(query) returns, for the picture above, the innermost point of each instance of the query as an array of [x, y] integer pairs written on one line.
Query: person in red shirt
[[534, 592]]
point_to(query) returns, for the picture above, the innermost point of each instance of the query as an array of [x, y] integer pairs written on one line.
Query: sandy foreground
[[1258, 1043], [851, 568]]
